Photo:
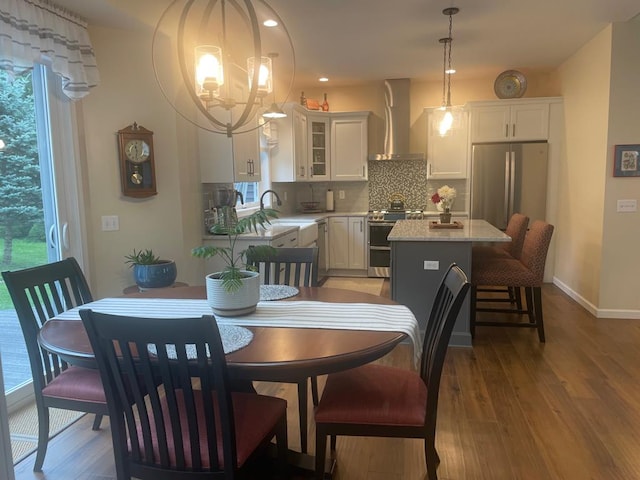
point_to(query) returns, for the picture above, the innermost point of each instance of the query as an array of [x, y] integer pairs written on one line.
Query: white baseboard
[[591, 308]]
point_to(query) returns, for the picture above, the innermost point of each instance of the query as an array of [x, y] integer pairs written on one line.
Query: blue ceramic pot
[[158, 275]]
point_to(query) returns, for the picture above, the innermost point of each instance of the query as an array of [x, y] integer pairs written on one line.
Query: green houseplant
[[150, 271], [236, 289]]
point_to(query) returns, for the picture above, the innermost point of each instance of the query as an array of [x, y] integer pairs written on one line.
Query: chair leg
[[334, 441], [314, 391], [530, 307], [96, 422], [537, 308], [43, 436], [472, 317], [302, 410], [321, 451], [432, 460], [282, 448], [518, 296]]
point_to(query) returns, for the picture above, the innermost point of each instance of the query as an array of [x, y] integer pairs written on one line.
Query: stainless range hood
[[397, 122]]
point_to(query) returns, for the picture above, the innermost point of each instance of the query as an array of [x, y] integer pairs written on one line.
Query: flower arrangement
[[444, 196]]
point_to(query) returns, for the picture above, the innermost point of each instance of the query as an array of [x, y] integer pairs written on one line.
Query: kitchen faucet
[[278, 201]]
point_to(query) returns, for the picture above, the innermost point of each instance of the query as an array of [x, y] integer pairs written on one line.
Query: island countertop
[[472, 231]]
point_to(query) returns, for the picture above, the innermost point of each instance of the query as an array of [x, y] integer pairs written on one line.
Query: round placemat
[[233, 338], [277, 292]]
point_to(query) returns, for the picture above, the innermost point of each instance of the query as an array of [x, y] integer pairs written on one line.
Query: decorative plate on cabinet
[[510, 84]]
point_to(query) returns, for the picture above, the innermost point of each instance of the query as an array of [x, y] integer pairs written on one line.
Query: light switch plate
[[627, 206], [110, 223]]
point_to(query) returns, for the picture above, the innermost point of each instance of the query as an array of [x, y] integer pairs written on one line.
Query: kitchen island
[[420, 256]]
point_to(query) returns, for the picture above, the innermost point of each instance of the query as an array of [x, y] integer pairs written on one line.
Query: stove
[[380, 223], [394, 215]]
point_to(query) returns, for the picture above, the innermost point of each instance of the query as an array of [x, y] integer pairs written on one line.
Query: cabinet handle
[[302, 171], [513, 131], [506, 129], [361, 226], [292, 240], [280, 245], [363, 172]]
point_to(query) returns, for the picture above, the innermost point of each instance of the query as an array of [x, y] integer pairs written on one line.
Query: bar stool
[[526, 272]]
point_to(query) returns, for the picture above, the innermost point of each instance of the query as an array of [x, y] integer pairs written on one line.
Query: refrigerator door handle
[[507, 182], [512, 183]]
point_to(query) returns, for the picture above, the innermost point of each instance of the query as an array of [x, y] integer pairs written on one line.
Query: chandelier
[[210, 60], [447, 111]]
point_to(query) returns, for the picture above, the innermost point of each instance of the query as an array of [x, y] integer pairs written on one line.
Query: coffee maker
[[222, 208]]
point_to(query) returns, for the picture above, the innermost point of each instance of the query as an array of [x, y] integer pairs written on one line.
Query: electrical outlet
[[341, 194], [627, 206], [431, 265], [110, 223]]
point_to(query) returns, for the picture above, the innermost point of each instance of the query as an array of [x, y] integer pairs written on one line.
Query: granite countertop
[[472, 231]]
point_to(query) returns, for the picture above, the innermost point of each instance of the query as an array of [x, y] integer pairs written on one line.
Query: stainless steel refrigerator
[[507, 178]]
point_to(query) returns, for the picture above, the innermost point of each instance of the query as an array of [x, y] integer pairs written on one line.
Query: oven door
[[379, 249]]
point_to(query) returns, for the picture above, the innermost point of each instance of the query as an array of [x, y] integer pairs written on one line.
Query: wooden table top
[[274, 354]]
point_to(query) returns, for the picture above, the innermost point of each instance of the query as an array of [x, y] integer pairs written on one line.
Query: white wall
[[168, 222], [620, 255], [585, 88]]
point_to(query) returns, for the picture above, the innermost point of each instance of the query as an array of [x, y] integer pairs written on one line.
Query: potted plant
[[150, 271], [236, 289]]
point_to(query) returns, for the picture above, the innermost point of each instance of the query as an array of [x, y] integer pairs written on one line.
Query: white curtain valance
[[37, 31]]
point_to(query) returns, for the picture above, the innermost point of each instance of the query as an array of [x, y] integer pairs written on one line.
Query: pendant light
[[274, 110], [209, 60], [447, 120]]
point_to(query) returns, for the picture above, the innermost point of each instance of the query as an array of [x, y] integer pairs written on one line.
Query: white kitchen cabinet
[[509, 120], [225, 160], [349, 146], [447, 156], [314, 146], [318, 147], [347, 243]]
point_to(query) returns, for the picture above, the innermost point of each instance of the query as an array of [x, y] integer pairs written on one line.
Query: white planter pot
[[240, 302]]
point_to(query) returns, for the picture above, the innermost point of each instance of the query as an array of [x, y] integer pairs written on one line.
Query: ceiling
[[351, 41]]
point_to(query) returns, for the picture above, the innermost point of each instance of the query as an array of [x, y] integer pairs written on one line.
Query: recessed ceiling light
[[270, 23], [323, 79]]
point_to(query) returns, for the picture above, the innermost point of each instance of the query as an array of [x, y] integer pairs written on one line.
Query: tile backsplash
[[409, 178]]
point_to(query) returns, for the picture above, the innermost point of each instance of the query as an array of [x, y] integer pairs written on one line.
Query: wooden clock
[[137, 167]]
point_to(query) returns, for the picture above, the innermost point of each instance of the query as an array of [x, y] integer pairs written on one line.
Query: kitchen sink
[[307, 231]]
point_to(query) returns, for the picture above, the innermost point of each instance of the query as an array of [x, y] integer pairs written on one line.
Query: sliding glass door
[[40, 217]]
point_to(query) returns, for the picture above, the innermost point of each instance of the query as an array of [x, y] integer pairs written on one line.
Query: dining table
[[356, 329]]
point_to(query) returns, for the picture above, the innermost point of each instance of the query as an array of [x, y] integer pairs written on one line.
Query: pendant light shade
[[447, 112], [209, 58]]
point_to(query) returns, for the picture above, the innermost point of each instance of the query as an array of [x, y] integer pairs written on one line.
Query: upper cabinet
[[228, 160], [447, 155], [349, 146], [317, 158], [509, 120], [313, 146]]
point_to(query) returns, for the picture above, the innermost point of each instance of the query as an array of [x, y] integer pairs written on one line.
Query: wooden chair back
[[154, 374], [287, 266], [444, 313], [38, 294]]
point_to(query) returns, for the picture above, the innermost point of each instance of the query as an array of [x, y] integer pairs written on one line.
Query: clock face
[[137, 151]]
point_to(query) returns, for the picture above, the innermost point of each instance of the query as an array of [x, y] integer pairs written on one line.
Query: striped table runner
[[298, 314]]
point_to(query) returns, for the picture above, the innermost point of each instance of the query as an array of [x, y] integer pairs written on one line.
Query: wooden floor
[[510, 408]]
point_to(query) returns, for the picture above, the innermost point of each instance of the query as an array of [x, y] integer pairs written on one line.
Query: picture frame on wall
[[626, 162]]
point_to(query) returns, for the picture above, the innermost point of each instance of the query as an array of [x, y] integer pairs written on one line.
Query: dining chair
[[516, 229], [526, 272], [39, 293], [294, 267], [381, 401], [173, 415]]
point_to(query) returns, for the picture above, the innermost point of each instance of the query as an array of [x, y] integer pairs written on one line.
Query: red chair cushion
[[373, 394], [254, 415], [77, 383]]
